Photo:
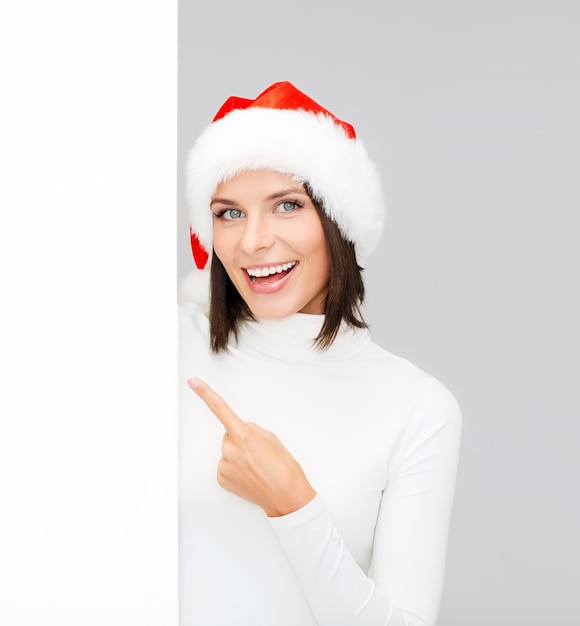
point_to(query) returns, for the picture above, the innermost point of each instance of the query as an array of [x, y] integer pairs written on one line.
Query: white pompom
[[194, 288]]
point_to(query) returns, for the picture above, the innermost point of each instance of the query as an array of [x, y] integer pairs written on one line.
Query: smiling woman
[[271, 244], [335, 460]]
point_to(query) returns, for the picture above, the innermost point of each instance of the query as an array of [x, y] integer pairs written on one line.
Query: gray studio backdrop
[[471, 110]]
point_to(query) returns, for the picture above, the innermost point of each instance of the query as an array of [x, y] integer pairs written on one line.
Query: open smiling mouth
[[265, 275]]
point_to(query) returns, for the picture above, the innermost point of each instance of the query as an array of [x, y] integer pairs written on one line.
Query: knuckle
[[254, 429], [216, 404], [243, 435]]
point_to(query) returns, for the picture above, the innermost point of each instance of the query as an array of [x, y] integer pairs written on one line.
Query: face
[[269, 238]]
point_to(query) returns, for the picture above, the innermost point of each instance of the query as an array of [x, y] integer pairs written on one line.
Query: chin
[[271, 308], [280, 305], [272, 312]]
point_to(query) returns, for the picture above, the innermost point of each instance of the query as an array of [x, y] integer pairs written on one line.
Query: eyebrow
[[272, 196]]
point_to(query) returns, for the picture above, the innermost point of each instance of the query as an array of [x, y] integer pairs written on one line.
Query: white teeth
[[274, 269]]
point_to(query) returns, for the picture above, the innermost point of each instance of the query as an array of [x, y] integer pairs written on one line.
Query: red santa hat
[[286, 131]]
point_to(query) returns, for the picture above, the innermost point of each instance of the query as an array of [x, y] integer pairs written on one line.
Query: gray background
[[471, 111]]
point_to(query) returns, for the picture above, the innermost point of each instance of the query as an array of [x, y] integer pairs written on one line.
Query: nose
[[257, 235]]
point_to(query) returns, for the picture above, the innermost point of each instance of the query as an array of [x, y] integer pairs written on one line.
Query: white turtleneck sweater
[[377, 438]]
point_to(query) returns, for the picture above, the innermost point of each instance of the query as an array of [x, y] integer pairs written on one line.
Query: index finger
[[216, 404]]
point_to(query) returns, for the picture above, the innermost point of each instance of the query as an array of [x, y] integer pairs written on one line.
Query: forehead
[[258, 183]]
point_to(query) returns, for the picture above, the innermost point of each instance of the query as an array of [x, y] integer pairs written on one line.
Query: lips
[[268, 271], [271, 278]]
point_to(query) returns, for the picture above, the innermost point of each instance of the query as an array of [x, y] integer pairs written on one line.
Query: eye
[[229, 214], [287, 206]]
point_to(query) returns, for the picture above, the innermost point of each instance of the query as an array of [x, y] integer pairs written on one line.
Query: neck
[[292, 339]]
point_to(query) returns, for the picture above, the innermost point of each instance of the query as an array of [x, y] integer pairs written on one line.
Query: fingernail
[[193, 383]]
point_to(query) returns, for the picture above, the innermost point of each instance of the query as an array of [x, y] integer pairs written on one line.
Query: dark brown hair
[[343, 300]]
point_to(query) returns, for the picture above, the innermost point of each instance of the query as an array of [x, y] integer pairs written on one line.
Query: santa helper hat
[[286, 131]]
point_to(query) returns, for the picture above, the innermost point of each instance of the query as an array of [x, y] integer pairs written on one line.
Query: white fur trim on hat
[[194, 288], [311, 147]]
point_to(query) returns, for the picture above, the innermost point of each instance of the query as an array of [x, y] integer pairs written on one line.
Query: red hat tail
[[200, 255]]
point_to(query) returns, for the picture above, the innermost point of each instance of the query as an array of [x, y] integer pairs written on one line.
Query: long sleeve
[[377, 438], [403, 586]]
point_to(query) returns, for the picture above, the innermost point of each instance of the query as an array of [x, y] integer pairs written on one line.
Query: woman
[[335, 460]]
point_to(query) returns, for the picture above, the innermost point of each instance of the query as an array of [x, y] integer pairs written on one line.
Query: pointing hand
[[254, 464]]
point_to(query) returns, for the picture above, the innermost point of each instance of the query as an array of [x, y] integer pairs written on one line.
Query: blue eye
[[229, 214], [287, 206]]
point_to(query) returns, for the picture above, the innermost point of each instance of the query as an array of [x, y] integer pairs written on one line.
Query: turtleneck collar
[[291, 339]]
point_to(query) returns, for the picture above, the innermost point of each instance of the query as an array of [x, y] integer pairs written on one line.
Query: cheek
[[323, 267], [316, 244]]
